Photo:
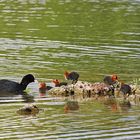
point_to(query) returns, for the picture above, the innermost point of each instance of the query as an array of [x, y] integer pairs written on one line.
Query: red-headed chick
[[71, 76], [43, 88], [110, 80], [58, 83]]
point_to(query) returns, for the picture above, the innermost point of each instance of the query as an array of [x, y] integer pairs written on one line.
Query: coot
[[10, 88], [71, 76], [110, 80], [43, 87], [125, 89]]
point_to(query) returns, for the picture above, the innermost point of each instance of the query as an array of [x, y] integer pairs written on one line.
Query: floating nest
[[81, 88], [86, 90]]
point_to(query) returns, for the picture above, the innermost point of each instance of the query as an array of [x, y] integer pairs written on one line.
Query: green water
[[47, 37]]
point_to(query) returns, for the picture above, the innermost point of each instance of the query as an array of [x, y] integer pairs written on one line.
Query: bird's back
[[107, 80], [63, 84], [9, 86], [73, 76], [126, 89]]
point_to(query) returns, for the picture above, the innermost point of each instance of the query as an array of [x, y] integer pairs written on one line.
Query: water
[[92, 37]]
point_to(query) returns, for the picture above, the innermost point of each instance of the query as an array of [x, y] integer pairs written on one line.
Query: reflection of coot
[[27, 97], [125, 104], [118, 105], [71, 106], [10, 88]]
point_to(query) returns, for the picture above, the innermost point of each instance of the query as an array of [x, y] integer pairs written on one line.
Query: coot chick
[[71, 76], [58, 83], [28, 110], [110, 80], [125, 89], [43, 87], [10, 88]]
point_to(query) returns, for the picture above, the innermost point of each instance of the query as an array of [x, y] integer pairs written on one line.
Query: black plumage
[[125, 89], [72, 76], [110, 80], [9, 88]]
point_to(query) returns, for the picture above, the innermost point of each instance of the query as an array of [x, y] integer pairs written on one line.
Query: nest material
[[84, 89], [93, 90]]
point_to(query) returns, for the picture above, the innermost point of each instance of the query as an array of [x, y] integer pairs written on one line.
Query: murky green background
[[47, 37]]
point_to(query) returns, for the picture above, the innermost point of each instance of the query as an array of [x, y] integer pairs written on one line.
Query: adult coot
[[10, 88]]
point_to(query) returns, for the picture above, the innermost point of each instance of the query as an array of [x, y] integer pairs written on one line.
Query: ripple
[[46, 38]]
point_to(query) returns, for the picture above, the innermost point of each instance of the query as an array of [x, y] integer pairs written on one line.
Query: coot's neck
[[23, 85]]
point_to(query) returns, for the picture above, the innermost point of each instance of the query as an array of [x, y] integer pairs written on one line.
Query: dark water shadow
[[16, 97]]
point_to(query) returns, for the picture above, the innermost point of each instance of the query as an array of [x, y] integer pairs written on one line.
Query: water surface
[[47, 37]]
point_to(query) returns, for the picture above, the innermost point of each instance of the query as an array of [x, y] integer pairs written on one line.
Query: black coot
[[9, 88]]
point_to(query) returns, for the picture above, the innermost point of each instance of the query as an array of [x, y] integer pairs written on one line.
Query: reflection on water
[[92, 121], [92, 37]]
